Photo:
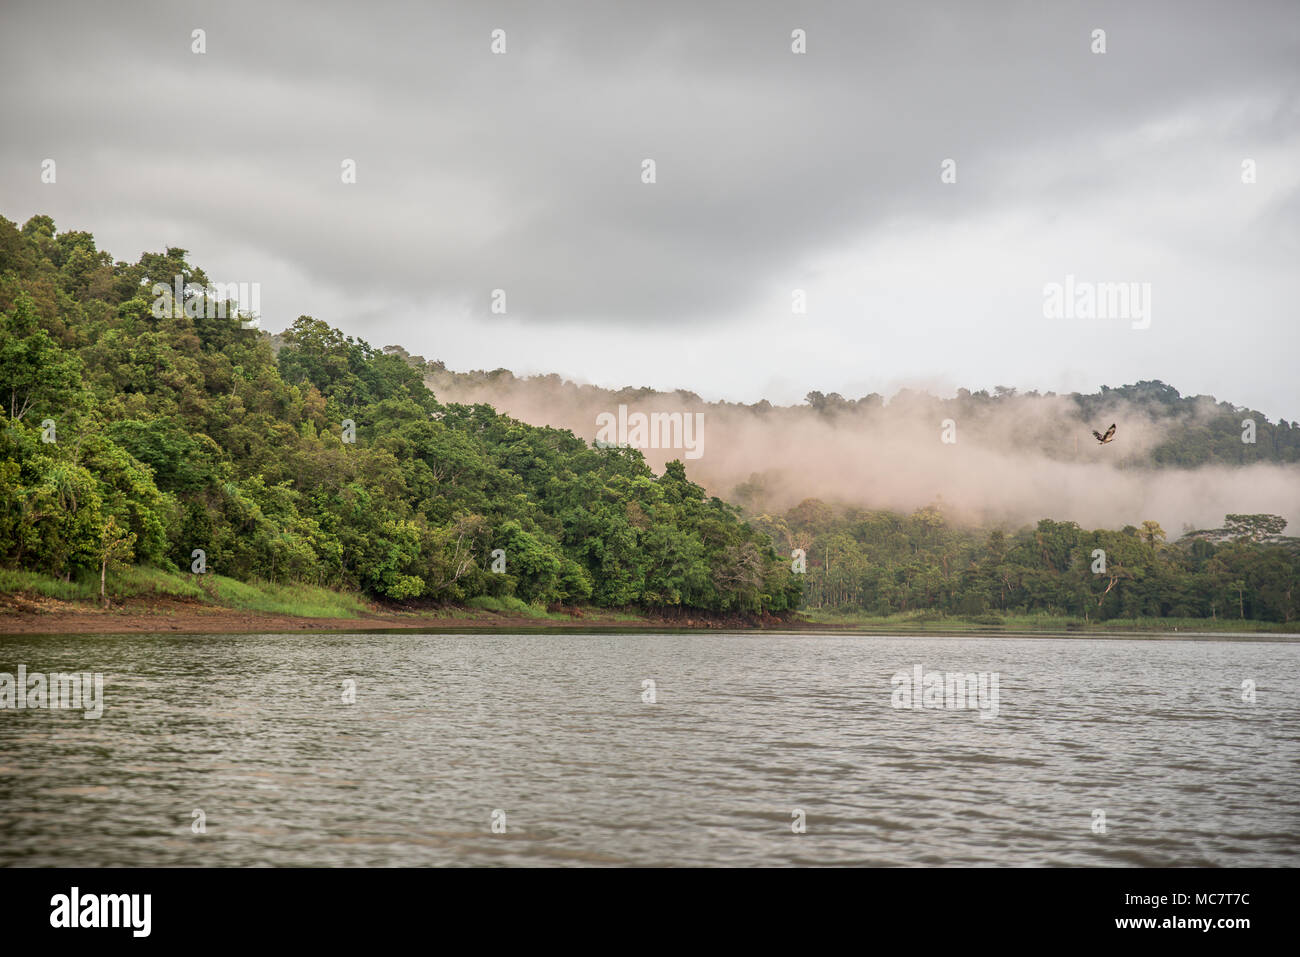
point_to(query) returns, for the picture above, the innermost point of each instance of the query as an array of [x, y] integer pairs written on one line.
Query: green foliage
[[186, 432], [1254, 528], [865, 563], [508, 606], [36, 376]]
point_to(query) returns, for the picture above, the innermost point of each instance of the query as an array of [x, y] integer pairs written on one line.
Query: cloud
[[775, 171]]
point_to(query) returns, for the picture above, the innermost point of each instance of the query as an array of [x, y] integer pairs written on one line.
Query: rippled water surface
[[553, 731]]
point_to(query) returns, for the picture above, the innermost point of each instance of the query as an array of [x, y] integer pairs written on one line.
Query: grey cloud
[[522, 171]]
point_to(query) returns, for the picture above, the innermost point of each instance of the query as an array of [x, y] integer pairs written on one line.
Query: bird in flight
[[1110, 434]]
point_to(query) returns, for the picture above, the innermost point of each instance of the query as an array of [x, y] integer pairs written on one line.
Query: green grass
[[122, 583], [509, 605], [307, 601], [13, 580], [137, 581]]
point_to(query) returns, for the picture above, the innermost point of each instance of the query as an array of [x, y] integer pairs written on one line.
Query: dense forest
[[311, 456], [883, 563], [133, 438]]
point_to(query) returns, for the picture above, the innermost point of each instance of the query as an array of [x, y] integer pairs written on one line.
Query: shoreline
[[28, 614], [43, 616]]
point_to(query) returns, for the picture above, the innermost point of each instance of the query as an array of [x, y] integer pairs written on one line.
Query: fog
[[1014, 459]]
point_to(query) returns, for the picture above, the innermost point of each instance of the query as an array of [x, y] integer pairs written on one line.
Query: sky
[[774, 171]]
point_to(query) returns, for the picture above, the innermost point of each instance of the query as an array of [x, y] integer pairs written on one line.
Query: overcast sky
[[775, 171]]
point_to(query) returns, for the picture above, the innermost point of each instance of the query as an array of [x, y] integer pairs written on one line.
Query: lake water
[[555, 732]]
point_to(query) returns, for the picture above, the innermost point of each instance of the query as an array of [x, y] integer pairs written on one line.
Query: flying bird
[[1110, 434]]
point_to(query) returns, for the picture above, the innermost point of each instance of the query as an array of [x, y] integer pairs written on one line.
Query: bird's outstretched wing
[[1110, 434]]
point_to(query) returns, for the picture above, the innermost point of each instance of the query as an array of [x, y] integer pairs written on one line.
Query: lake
[[655, 749]]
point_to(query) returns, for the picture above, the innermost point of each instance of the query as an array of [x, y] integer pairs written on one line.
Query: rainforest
[[188, 442]]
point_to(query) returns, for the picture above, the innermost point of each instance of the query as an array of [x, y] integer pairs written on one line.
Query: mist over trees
[[1193, 430], [1013, 457]]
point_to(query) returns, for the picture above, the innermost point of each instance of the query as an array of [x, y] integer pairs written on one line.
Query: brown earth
[[36, 615]]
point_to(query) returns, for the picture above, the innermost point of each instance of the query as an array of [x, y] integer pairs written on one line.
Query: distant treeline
[[883, 562]]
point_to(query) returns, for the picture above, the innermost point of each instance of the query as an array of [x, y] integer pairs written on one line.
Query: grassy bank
[[308, 601], [139, 585], [151, 590]]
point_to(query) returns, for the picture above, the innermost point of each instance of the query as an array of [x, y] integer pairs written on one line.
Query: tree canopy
[[132, 437]]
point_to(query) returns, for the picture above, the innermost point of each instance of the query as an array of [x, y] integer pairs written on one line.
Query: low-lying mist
[[1015, 459]]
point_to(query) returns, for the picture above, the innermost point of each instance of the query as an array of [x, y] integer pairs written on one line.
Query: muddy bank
[[35, 615]]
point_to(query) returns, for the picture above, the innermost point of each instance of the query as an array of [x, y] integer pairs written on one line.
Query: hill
[[181, 440]]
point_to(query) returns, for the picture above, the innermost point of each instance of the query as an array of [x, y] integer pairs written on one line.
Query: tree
[[1240, 587], [1152, 533], [1254, 528], [115, 546], [34, 371]]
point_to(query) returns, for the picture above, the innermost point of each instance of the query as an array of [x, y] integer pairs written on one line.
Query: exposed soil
[[35, 615]]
